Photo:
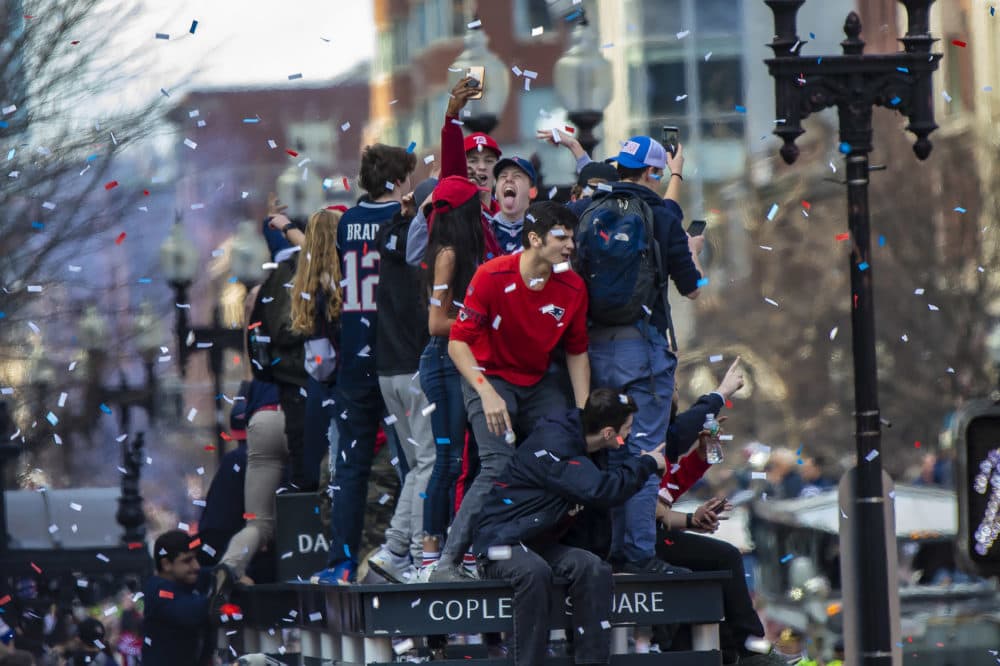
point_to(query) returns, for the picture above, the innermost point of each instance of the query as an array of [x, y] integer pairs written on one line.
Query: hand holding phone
[[478, 81], [697, 227], [671, 136]]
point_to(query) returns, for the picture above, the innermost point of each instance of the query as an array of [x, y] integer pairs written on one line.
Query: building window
[[715, 17], [660, 18], [720, 82]]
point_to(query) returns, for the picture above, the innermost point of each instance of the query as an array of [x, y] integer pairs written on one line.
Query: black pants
[[702, 553], [530, 573], [293, 404]]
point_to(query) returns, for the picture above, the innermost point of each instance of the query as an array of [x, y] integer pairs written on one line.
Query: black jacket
[[273, 311], [549, 475], [401, 329]]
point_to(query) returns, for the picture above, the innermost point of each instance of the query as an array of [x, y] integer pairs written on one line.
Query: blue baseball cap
[[640, 152], [519, 162]]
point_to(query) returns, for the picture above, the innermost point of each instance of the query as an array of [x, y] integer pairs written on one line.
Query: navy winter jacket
[[550, 474]]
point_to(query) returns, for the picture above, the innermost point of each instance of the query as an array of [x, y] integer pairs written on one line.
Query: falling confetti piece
[[842, 237], [833, 333], [120, 239], [194, 26], [772, 213], [787, 558], [771, 301], [166, 594], [872, 455], [293, 77], [959, 43]]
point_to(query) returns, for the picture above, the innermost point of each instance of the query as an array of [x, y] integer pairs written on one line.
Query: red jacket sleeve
[[680, 477], [475, 315], [452, 149]]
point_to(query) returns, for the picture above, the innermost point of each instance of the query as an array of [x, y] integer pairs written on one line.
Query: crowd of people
[[517, 356]]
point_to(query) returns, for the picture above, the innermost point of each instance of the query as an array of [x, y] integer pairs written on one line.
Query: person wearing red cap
[[517, 310]]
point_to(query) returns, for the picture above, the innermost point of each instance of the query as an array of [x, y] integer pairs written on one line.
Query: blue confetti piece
[[37, 225], [507, 500], [2, 315], [800, 461], [881, 241], [145, 280], [573, 16], [895, 100], [799, 452], [316, 510], [52, 418], [423, 496], [656, 176], [703, 282], [741, 109], [845, 147], [443, 440], [347, 551], [959, 209], [904, 70], [772, 213], [91, 158], [232, 280], [105, 408], [863, 266], [489, 255], [276, 361], [194, 26], [3, 124], [819, 60], [812, 35], [787, 558], [250, 121], [413, 146], [993, 11]]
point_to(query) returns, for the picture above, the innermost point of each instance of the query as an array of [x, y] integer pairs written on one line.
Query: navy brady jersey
[[359, 259]]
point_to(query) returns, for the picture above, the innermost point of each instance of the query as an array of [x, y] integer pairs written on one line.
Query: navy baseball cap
[[519, 162], [640, 152]]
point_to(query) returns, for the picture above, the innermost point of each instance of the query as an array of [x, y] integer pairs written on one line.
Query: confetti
[[191, 414], [293, 77], [120, 239], [162, 35], [535, 32], [787, 558], [959, 43], [833, 333], [872, 455], [715, 358], [771, 301], [190, 144]]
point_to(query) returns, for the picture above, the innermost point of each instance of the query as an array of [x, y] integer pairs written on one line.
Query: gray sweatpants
[[406, 401]]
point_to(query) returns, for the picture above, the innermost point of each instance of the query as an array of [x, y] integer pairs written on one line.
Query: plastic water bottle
[[713, 453]]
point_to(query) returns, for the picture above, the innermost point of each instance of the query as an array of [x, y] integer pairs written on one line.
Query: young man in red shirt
[[517, 309]]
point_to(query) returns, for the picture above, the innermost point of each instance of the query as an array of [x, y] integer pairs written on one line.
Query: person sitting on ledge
[[534, 501]]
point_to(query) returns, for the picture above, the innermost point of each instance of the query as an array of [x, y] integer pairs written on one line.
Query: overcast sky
[[253, 42]]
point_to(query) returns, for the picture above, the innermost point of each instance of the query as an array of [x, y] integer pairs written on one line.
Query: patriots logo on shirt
[[555, 311], [467, 314]]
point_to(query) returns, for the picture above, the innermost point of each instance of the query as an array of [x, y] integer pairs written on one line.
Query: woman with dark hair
[[455, 249]]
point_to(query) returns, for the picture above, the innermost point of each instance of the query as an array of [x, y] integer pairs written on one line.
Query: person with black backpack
[[630, 241]]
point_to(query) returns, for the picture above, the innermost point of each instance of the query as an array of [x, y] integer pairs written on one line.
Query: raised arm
[[452, 139]]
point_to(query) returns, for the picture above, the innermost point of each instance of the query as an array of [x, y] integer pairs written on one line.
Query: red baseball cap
[[453, 191], [478, 141]]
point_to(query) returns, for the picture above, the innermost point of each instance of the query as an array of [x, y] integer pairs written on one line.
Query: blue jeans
[[640, 363], [442, 385], [364, 409]]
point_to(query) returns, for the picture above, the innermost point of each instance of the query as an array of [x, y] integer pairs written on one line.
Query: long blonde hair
[[318, 268]]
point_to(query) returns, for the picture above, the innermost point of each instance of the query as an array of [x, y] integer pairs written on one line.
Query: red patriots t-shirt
[[511, 329]]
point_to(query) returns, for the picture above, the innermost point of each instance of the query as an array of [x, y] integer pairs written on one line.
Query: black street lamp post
[[854, 83]]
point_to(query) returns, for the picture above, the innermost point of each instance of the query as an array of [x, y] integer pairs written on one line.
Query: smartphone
[[478, 74], [697, 227], [670, 137], [719, 505]]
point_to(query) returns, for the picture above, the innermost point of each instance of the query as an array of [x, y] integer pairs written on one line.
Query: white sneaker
[[423, 574], [392, 567]]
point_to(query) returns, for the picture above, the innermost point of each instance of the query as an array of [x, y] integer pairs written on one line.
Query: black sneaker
[[652, 565]]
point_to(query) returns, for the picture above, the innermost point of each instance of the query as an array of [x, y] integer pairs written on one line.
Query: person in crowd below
[[473, 157], [385, 175], [630, 346], [517, 310], [454, 252], [515, 185], [9, 654], [814, 477], [400, 339], [590, 174], [533, 502], [177, 613], [783, 478], [88, 646]]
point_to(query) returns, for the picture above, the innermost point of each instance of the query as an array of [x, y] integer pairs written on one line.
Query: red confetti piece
[[253, 325], [806, 204], [842, 237], [572, 462], [668, 542], [236, 360], [347, 186], [225, 437], [4, 600], [479, 380], [145, 193], [194, 544], [75, 42], [916, 444], [423, 265], [729, 404], [501, 484], [855, 301], [36, 568], [604, 235], [111, 184], [135, 545], [291, 152], [166, 594], [210, 447], [249, 516], [233, 609], [364, 249], [958, 42], [319, 360], [120, 239], [571, 130]]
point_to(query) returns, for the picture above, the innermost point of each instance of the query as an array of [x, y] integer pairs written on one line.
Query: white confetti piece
[[190, 144], [683, 33], [34, 288], [315, 617], [561, 267], [766, 247], [103, 558], [475, 24], [6, 111], [429, 409], [272, 144], [498, 552], [496, 323], [833, 333], [771, 301], [932, 307], [758, 475], [75, 506], [517, 70], [715, 359], [605, 624], [772, 213], [428, 159], [872, 455], [535, 32], [919, 291], [191, 414], [403, 646], [509, 288], [389, 420], [345, 127]]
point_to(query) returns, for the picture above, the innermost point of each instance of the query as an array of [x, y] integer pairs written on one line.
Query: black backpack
[[276, 352]]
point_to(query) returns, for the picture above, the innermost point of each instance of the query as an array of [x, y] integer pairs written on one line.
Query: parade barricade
[[359, 624]]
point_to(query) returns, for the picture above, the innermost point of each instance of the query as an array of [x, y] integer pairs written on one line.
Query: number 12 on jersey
[[360, 281]]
